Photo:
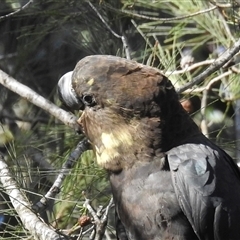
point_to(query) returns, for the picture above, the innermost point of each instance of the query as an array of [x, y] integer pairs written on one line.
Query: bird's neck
[[177, 128], [144, 141]]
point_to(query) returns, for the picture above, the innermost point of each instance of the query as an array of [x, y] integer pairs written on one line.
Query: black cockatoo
[[168, 180]]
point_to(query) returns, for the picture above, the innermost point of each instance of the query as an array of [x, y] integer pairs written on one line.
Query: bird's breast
[[147, 205]]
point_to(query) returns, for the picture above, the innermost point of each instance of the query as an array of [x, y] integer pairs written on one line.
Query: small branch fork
[[68, 165], [100, 218], [220, 62]]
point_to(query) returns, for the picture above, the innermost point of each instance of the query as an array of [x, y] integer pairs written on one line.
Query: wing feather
[[200, 176]]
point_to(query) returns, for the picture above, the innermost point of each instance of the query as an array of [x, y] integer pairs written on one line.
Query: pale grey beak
[[67, 94]]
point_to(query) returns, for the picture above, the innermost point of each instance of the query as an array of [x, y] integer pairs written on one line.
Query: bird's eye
[[89, 100]]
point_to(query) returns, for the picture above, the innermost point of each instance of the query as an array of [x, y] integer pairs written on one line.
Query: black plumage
[[168, 180]]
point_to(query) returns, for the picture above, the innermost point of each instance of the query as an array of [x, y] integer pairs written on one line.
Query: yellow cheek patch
[[106, 157], [113, 140], [111, 143]]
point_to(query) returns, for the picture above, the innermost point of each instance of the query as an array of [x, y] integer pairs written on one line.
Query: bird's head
[[125, 106]]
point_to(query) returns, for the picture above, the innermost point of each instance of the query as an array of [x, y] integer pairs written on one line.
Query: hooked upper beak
[[67, 94]]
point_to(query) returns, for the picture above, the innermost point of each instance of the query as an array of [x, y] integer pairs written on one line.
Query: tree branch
[[100, 219], [68, 165], [164, 20], [17, 11], [36, 227], [33, 97], [208, 86], [189, 68], [213, 67]]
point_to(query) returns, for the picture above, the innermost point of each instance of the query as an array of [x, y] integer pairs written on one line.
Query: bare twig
[[132, 14], [214, 67], [218, 78], [208, 86], [6, 56], [67, 167], [204, 127], [223, 5], [203, 124], [235, 69], [17, 11], [100, 219], [36, 227], [33, 97], [190, 68], [124, 41], [87, 231]]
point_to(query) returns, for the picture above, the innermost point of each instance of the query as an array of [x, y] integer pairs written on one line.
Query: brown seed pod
[[84, 220]]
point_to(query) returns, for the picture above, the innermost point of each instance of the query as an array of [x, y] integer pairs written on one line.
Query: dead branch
[[17, 11], [30, 220], [208, 86], [213, 67], [67, 167], [164, 20], [100, 218], [204, 125], [33, 97], [189, 68]]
